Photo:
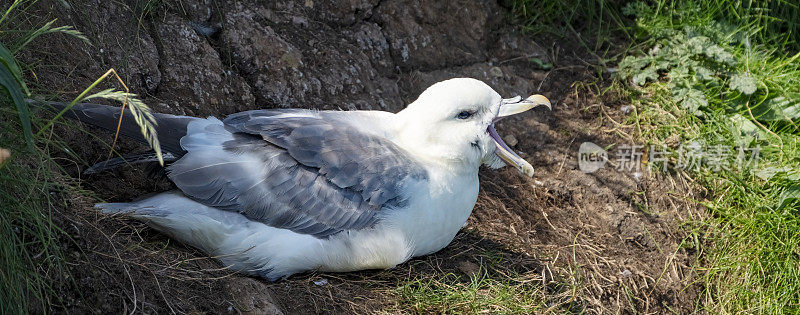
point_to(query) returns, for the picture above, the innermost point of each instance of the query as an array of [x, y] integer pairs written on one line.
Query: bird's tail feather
[[169, 128], [243, 245], [116, 162], [181, 218]]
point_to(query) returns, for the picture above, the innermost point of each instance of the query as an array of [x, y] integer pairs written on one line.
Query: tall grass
[[773, 22], [31, 259], [30, 256], [31, 183], [597, 19], [558, 16]]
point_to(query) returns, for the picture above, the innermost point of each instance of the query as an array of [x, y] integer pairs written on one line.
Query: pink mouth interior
[[499, 141]]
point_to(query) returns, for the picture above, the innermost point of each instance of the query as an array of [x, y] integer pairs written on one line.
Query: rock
[[469, 268], [512, 46], [509, 84], [496, 71], [197, 10], [194, 76], [510, 140], [342, 12], [251, 297], [136, 61], [627, 109], [316, 67], [429, 34]]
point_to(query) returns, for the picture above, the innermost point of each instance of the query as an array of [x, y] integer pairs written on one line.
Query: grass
[[723, 87], [717, 73], [451, 293], [489, 287], [30, 255], [750, 260], [31, 260], [722, 73]]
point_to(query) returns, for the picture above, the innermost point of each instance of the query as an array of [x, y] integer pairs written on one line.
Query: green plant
[[11, 78], [15, 89], [31, 260], [480, 292], [719, 78], [713, 63], [559, 16]]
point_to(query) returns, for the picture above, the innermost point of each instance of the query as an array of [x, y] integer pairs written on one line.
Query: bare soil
[[605, 242]]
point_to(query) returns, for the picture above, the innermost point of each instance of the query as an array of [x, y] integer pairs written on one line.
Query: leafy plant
[[697, 62], [722, 71], [691, 63]]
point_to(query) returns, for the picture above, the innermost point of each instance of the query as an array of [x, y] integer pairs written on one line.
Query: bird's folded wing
[[310, 172]]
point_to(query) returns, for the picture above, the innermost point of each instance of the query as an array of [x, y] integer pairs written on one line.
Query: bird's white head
[[453, 121]]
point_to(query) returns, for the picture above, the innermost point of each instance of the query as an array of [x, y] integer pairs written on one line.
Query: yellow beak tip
[[540, 100]]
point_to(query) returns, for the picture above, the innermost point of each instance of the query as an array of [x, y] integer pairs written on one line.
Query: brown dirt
[[600, 243]]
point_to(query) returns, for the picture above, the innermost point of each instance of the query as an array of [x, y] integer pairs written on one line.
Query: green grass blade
[[12, 86], [7, 59], [11, 8], [12, 81], [47, 29]]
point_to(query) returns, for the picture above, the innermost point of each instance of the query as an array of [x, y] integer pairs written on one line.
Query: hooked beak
[[508, 107]]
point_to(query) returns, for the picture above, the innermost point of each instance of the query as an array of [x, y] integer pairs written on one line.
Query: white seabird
[[282, 191]]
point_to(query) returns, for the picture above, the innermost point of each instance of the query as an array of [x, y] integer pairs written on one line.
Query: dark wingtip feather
[[170, 128]]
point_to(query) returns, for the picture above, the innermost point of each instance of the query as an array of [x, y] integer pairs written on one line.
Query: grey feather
[[150, 157], [312, 173], [169, 128], [347, 157]]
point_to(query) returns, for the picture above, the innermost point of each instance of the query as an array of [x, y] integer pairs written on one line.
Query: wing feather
[[311, 172]]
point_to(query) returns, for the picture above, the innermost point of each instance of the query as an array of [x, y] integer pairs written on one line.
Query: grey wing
[[297, 170]]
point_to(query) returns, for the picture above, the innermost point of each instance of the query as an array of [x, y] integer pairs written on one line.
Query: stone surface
[[251, 297], [194, 78], [198, 57], [322, 68], [508, 84], [426, 35]]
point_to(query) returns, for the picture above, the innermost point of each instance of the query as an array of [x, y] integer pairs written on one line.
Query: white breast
[[436, 212], [432, 220]]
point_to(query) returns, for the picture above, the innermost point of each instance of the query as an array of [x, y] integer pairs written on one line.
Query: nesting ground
[[602, 242]]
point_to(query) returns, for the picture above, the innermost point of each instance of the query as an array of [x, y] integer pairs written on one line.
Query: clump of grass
[[479, 292], [30, 256], [31, 261], [559, 17], [709, 81], [450, 293], [30, 253], [721, 73]]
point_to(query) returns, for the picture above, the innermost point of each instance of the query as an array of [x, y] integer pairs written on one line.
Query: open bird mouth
[[510, 107]]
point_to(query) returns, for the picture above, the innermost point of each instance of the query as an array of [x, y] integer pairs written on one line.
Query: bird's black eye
[[464, 115]]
